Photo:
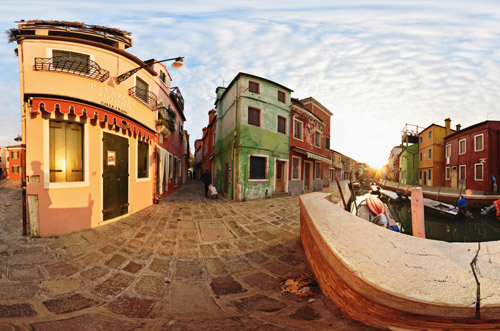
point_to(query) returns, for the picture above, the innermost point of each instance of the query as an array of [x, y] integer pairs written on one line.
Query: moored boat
[[375, 211]]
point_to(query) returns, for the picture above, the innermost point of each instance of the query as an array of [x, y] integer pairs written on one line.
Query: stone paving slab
[[188, 263]]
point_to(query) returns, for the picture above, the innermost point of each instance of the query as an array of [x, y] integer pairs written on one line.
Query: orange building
[[14, 164], [89, 112], [431, 154]]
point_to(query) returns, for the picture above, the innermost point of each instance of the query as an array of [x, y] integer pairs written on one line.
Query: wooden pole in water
[[417, 212], [341, 194]]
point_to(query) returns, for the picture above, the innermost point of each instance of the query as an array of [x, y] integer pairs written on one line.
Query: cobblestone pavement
[[189, 263]]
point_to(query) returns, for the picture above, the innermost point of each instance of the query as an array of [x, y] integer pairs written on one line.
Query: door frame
[[285, 173], [102, 181]]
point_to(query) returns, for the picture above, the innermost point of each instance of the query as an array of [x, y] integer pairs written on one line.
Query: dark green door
[[115, 176]]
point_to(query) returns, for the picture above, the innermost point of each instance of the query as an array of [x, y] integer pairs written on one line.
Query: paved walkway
[[189, 263]]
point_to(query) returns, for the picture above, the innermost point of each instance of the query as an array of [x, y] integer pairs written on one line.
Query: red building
[[309, 146], [171, 147], [198, 153], [14, 157], [208, 144], [472, 157]]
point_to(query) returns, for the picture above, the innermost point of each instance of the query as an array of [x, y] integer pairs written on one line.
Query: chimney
[[211, 115], [204, 132], [458, 127], [447, 124]]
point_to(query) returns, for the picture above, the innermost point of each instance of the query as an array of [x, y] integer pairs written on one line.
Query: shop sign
[[112, 99]]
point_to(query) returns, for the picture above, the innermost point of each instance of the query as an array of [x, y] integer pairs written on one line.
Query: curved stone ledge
[[389, 280]]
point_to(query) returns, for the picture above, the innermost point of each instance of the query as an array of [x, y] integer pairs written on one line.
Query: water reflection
[[480, 228]]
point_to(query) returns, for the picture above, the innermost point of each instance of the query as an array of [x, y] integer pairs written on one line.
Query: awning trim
[[312, 155]]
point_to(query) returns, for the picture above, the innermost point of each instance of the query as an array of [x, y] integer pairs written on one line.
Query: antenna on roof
[[222, 80]]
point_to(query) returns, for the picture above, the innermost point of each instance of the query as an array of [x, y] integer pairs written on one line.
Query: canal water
[[478, 229]]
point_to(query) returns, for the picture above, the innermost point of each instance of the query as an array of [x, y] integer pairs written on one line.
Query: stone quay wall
[[394, 281]]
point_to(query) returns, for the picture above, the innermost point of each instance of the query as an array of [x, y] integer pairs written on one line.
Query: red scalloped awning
[[79, 109]]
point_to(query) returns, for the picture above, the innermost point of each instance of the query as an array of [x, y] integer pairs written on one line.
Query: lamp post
[[178, 63]]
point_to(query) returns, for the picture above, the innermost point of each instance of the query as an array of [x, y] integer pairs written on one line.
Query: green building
[[408, 165], [252, 138]]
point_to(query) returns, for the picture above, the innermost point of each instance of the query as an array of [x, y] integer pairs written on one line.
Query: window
[[461, 172], [478, 143], [254, 87], [281, 96], [430, 171], [430, 134], [430, 153], [448, 151], [70, 61], [281, 124], [66, 151], [317, 170], [297, 129], [317, 139], [420, 175], [420, 156], [447, 173], [253, 116], [478, 171], [163, 77], [142, 159], [327, 143], [461, 146], [258, 167], [170, 166], [15, 155], [296, 167], [420, 139], [181, 132], [15, 169], [142, 89]]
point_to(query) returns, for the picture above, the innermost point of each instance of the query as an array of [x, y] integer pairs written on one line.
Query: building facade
[[431, 154], [393, 163], [14, 161], [336, 168], [208, 144], [198, 153], [3, 162], [472, 157], [309, 146], [252, 149], [89, 124], [408, 164]]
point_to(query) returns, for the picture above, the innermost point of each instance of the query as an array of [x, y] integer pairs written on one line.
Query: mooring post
[[417, 212]]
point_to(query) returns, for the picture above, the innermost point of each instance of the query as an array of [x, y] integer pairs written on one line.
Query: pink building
[[14, 161]]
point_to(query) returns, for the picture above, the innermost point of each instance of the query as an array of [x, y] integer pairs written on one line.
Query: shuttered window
[[253, 116], [258, 167], [254, 87], [66, 151], [281, 96], [282, 124]]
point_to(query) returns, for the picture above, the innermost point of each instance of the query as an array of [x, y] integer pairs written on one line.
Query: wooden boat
[[375, 211], [441, 209]]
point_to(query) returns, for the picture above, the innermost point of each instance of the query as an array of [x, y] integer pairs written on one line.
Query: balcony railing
[[176, 95], [87, 68], [166, 117], [144, 96]]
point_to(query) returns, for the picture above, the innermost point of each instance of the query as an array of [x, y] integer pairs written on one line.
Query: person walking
[[206, 180]]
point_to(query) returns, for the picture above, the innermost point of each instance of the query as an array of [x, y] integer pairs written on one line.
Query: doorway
[[114, 176], [307, 175], [280, 176]]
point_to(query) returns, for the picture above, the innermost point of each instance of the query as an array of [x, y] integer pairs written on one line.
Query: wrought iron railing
[[167, 117], [176, 95], [87, 68], [144, 96]]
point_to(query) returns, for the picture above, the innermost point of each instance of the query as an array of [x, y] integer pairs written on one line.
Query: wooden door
[[280, 176], [454, 178], [115, 176]]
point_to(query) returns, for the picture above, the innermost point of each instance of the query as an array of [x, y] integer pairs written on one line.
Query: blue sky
[[375, 65]]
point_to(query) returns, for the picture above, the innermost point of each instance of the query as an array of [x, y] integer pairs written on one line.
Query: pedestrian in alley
[[206, 180]]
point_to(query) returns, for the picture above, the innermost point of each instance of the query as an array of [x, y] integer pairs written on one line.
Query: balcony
[[166, 121], [71, 65], [177, 98], [144, 96]]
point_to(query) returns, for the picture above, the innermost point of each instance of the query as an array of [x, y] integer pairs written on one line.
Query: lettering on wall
[[112, 99]]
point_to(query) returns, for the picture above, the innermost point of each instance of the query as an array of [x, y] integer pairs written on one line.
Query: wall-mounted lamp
[[178, 63]]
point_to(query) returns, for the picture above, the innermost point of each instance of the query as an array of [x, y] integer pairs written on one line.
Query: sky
[[376, 65]]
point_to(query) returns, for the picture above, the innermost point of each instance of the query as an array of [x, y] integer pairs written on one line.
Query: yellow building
[[88, 123], [431, 154]]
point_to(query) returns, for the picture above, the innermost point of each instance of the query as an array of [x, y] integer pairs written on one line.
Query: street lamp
[[178, 63]]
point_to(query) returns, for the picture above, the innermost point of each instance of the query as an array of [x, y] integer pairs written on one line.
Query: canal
[[477, 229]]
